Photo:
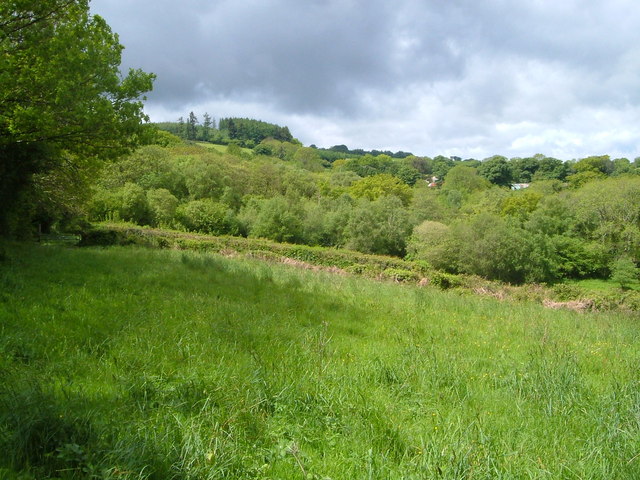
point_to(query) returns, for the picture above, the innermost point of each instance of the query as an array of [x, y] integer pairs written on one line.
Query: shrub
[[99, 237], [275, 218], [444, 281], [624, 272], [367, 270], [162, 205], [564, 292], [207, 216], [400, 275], [379, 227], [428, 242]]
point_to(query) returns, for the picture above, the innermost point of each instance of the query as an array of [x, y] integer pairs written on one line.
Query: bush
[[207, 216], [162, 205], [624, 272], [379, 227], [128, 203], [422, 267], [366, 269], [400, 275], [276, 219], [565, 292], [444, 281]]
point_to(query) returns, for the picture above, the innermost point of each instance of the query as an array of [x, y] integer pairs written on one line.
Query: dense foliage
[[245, 132], [342, 151], [557, 226], [63, 104]]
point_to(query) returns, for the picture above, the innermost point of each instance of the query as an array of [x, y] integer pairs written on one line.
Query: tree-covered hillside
[[566, 219], [245, 132]]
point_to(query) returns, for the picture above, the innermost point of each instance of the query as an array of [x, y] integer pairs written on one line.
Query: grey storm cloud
[[306, 56], [459, 76]]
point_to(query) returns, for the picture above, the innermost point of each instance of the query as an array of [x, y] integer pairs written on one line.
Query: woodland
[[536, 219]]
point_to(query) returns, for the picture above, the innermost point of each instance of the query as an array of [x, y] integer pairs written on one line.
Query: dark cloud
[[494, 76], [306, 56]]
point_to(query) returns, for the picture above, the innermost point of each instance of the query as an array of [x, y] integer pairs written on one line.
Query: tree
[[441, 166], [283, 134], [150, 167], [380, 186], [622, 166], [497, 170], [381, 226], [601, 164], [624, 272], [551, 169], [62, 98], [525, 168], [521, 204], [133, 205], [162, 206], [192, 129], [182, 128], [275, 218], [427, 204], [491, 247], [583, 177], [309, 159], [608, 212], [407, 174], [128, 203], [465, 180], [207, 124], [429, 241], [232, 129]]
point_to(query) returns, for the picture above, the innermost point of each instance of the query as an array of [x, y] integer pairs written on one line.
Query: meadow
[[133, 363]]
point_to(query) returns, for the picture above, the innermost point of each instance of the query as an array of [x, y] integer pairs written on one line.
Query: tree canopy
[[62, 97]]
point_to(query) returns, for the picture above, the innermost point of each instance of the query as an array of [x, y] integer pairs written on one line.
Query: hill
[[245, 132], [135, 363]]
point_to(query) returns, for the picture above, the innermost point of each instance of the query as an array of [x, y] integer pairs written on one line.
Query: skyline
[[457, 78]]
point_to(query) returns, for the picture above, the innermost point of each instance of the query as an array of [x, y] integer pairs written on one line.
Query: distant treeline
[[245, 132], [338, 152]]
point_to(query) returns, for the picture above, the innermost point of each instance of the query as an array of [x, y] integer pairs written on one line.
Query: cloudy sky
[[454, 77]]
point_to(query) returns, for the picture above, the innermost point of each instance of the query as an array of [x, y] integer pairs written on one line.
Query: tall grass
[[133, 363]]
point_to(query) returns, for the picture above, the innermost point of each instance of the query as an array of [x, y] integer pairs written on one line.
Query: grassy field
[[222, 148], [131, 363], [603, 285]]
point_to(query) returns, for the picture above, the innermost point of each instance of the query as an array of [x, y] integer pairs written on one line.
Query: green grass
[[356, 263], [222, 148], [599, 285], [135, 363]]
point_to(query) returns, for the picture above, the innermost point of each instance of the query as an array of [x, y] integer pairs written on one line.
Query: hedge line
[[372, 266]]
